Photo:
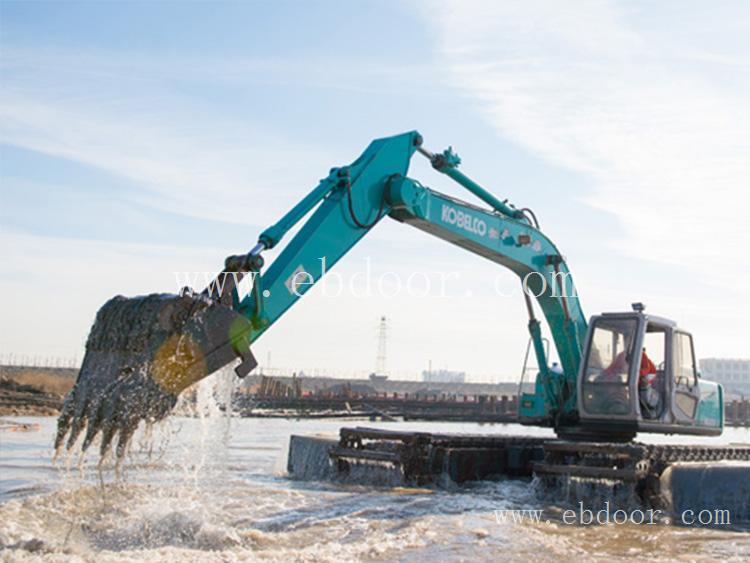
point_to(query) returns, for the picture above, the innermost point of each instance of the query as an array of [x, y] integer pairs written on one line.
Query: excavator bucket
[[140, 354]]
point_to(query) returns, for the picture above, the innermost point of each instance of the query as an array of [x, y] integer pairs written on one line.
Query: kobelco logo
[[463, 220]]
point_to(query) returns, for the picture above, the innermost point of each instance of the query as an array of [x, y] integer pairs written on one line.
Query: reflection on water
[[213, 488]]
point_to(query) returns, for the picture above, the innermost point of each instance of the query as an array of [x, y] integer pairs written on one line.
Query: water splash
[[206, 451]]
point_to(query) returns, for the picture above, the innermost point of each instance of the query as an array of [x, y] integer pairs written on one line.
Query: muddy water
[[213, 488]]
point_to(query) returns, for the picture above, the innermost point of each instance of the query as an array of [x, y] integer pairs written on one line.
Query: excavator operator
[[648, 391]]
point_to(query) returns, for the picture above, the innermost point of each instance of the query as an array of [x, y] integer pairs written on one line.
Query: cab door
[[685, 389], [606, 385]]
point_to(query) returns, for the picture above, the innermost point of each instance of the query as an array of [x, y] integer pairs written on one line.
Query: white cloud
[[308, 70], [179, 163], [153, 120], [660, 125], [132, 117]]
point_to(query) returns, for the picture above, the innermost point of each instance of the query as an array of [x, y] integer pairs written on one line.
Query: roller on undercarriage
[[142, 352]]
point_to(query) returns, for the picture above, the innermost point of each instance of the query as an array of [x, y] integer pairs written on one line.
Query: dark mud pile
[[140, 354]]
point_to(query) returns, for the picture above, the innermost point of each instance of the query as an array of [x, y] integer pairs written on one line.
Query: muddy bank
[[33, 391], [17, 399]]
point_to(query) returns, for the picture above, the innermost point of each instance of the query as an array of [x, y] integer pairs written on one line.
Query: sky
[[140, 139]]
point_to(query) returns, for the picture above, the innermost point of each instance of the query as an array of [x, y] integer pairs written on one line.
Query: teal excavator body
[[582, 399], [142, 352]]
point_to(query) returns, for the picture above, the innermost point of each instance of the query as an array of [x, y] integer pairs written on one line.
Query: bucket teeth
[[140, 354]]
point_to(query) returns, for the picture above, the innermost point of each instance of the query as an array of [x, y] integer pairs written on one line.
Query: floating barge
[[665, 476]]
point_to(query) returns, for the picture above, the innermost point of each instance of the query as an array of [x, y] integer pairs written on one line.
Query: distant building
[[733, 374], [378, 378], [443, 376]]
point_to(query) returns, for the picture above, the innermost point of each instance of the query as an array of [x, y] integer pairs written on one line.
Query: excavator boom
[[353, 199]]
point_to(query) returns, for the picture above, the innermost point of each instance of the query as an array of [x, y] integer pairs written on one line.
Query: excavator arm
[[352, 199]]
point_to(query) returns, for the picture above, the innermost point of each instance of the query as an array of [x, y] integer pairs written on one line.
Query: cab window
[[684, 371], [611, 352], [608, 365]]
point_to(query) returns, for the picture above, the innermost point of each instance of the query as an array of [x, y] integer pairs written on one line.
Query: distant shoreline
[[34, 391]]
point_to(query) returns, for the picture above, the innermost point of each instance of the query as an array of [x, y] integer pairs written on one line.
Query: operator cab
[[639, 374]]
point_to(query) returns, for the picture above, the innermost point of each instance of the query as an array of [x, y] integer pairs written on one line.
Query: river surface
[[215, 488]]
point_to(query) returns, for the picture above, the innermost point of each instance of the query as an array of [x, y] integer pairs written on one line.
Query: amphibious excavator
[[142, 352]]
